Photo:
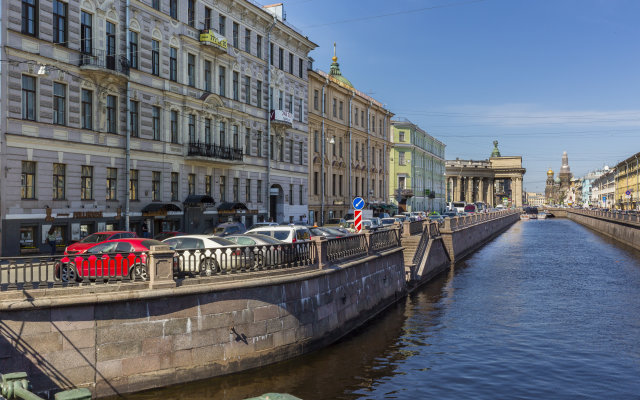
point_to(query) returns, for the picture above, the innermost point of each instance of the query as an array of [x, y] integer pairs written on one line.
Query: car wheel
[[209, 266], [139, 273], [68, 273]]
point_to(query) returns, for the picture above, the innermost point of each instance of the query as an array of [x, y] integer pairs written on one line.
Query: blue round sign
[[628, 192], [358, 203]]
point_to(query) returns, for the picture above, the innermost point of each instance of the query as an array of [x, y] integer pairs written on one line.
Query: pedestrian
[[145, 230], [51, 240]]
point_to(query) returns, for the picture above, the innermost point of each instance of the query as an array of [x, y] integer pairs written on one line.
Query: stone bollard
[[321, 250], [406, 229], [160, 267], [367, 238]]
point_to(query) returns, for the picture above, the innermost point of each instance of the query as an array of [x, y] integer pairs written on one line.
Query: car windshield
[[281, 235], [221, 241], [267, 239], [96, 238]]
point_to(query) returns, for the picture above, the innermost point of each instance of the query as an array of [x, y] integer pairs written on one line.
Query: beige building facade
[[349, 147], [155, 112]]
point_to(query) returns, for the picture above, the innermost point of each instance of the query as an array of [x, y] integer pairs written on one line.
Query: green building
[[416, 175]]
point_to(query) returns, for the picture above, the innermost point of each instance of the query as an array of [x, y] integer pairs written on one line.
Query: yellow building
[[349, 146], [627, 178]]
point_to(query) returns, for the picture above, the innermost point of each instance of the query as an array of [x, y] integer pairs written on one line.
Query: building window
[[223, 136], [223, 189], [247, 89], [133, 49], [356, 186], [222, 25], [207, 18], [174, 126], [192, 128], [133, 185], [235, 85], [191, 69], [155, 4], [207, 76], [259, 46], [173, 64], [281, 150], [87, 109], [259, 94], [315, 183], [281, 100], [59, 103], [207, 185], [300, 153], [236, 139], [271, 53], [28, 97], [301, 195], [316, 141], [280, 58], [333, 184], [134, 119], [291, 151], [373, 124], [86, 33], [247, 190], [155, 122], [59, 22], [291, 63], [221, 81], [290, 195], [86, 182], [340, 147], [155, 186], [300, 69], [112, 183], [355, 116], [207, 131], [173, 9], [234, 32], [58, 181], [316, 95], [340, 185], [401, 136], [259, 144], [300, 115], [174, 186], [401, 158], [155, 57], [112, 122], [247, 40], [247, 142], [191, 13], [30, 17], [28, 180], [259, 191], [335, 107], [340, 110], [191, 183], [110, 45], [357, 153], [362, 119]]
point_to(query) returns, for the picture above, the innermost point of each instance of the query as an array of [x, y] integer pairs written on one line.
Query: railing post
[[406, 228], [160, 267], [367, 237], [321, 251]]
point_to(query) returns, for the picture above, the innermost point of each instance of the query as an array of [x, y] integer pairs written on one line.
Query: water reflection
[[549, 309]]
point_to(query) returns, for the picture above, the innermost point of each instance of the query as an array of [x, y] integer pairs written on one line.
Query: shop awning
[[163, 207], [232, 206], [197, 199]]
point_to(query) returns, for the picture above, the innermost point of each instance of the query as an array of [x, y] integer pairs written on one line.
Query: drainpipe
[[268, 191], [368, 147], [322, 173], [353, 93], [128, 136]]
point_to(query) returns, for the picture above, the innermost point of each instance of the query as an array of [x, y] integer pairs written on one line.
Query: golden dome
[[550, 172]]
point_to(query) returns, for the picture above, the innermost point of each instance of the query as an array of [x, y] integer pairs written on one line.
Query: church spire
[[334, 71]]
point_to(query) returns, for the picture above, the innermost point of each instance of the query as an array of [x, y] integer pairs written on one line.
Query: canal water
[[548, 310]]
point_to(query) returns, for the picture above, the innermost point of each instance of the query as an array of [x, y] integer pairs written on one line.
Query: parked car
[[470, 209], [456, 206], [436, 218], [268, 251], [327, 232], [260, 224], [401, 217], [288, 234], [229, 228], [392, 223], [98, 237], [167, 234], [450, 214], [207, 255], [366, 225], [111, 258], [335, 222]]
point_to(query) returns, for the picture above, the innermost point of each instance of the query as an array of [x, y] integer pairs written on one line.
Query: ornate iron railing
[[347, 247], [215, 151], [415, 228], [384, 239], [100, 59]]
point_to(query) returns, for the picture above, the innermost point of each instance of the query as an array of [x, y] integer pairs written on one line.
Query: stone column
[[481, 196], [518, 184], [469, 197], [490, 194], [458, 192]]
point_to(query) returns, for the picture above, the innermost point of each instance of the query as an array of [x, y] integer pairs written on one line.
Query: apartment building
[[119, 113], [349, 155]]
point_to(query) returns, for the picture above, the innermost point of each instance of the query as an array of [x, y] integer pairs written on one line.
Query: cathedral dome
[[550, 172], [334, 71], [557, 180]]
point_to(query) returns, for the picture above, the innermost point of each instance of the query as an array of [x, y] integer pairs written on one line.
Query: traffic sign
[[357, 220], [604, 198], [628, 192], [358, 203]]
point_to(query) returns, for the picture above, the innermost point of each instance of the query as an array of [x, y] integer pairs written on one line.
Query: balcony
[[404, 194], [281, 118], [214, 152], [99, 60]]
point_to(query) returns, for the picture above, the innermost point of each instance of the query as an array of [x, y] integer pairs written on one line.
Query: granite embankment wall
[[621, 227]]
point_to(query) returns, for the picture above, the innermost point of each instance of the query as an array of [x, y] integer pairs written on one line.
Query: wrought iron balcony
[[101, 60], [215, 151], [404, 193]]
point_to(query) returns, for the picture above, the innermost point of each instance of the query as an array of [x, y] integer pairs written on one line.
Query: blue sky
[[540, 76]]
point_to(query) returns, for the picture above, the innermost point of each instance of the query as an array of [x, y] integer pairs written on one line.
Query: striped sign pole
[[357, 222]]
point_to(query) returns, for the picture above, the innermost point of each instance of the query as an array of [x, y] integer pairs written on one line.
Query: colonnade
[[473, 189]]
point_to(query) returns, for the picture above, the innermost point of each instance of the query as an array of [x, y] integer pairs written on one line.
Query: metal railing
[[15, 385], [415, 227], [238, 259], [215, 151], [100, 59], [384, 239], [347, 247]]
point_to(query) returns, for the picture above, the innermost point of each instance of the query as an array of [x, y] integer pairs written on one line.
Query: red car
[[98, 237], [109, 259]]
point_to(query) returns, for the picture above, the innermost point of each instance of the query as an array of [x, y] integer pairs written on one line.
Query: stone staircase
[[410, 244]]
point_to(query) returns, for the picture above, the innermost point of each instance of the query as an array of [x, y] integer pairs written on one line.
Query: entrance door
[[276, 203], [111, 46]]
